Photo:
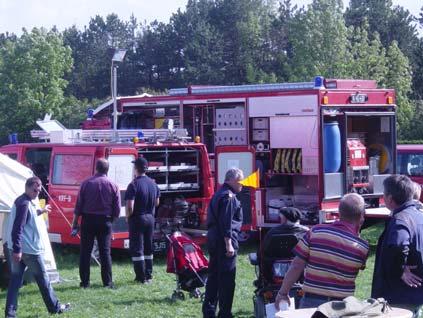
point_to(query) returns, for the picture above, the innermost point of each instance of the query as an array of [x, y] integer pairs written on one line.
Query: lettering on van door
[[64, 198]]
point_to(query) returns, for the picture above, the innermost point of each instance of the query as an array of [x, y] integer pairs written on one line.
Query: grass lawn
[[135, 300]]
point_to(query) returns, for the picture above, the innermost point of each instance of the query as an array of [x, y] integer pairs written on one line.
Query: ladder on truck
[[128, 135], [54, 132]]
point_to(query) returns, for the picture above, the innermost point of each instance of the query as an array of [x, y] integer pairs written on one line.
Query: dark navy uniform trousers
[[220, 284], [141, 228]]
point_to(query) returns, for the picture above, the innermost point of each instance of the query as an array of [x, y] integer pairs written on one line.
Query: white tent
[[12, 181], [12, 184]]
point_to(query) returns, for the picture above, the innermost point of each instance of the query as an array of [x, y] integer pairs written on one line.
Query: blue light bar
[[319, 82], [90, 113]]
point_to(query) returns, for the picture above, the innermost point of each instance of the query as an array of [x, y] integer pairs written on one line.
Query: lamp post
[[118, 56]]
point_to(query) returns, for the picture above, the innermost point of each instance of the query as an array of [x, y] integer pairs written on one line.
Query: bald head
[[351, 207], [102, 166]]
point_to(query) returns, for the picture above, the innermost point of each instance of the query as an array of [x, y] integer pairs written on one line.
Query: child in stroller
[[274, 257], [186, 260]]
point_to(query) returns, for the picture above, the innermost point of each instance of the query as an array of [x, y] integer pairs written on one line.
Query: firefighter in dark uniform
[[224, 220], [142, 197]]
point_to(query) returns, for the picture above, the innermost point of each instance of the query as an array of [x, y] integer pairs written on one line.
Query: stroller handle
[[173, 225]]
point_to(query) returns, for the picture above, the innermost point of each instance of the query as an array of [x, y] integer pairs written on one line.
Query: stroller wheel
[[178, 295], [196, 293]]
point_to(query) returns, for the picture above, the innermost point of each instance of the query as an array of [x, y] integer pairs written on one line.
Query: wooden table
[[307, 313]]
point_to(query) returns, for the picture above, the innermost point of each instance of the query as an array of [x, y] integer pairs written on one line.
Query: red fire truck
[[312, 141], [180, 168]]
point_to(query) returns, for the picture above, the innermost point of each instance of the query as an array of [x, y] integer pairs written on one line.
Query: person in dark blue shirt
[[224, 221], [398, 269], [142, 197]]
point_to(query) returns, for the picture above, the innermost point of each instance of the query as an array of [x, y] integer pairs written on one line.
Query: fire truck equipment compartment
[[334, 185]]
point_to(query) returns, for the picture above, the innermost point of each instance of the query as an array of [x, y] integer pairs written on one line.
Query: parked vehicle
[[311, 141], [410, 161], [180, 168]]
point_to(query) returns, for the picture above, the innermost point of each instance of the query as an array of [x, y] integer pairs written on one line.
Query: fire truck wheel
[[259, 307]]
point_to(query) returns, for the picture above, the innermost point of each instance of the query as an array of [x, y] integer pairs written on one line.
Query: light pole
[[118, 56]]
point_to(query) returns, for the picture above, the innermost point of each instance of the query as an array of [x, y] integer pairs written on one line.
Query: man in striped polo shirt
[[330, 256]]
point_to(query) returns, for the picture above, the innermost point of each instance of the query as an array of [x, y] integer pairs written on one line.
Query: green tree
[[418, 65], [91, 51], [159, 57], [129, 71], [392, 23], [201, 44], [73, 112], [375, 12], [244, 26], [368, 56], [418, 71], [415, 131], [280, 48], [319, 41], [7, 37], [32, 73], [399, 77], [212, 42]]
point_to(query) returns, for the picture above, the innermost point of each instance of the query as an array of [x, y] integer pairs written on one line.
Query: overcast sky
[[16, 14]]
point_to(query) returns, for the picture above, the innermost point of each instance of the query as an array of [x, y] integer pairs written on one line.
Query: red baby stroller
[[187, 261]]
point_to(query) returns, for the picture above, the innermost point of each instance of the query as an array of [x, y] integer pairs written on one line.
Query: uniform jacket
[[400, 244], [224, 218]]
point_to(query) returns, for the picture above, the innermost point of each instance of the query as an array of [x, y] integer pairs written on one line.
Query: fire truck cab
[[180, 168], [312, 142]]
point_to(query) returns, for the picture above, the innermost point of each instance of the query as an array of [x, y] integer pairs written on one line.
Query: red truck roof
[[410, 147]]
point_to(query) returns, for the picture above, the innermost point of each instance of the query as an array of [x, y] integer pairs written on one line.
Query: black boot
[[148, 269], [139, 269]]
